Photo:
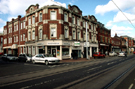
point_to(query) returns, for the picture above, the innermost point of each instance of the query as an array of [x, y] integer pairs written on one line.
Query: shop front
[[116, 49]]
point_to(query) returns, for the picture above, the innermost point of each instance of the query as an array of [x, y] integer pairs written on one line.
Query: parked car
[[41, 58], [98, 54], [9, 57], [112, 53], [122, 53], [1, 53], [25, 57], [134, 52]]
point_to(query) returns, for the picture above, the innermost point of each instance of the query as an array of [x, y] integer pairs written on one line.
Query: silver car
[[41, 58], [122, 53], [112, 54]]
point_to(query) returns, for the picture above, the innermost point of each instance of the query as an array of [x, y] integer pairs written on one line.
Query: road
[[80, 75]]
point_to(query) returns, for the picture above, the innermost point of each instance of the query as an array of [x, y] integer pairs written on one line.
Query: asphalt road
[[64, 75]]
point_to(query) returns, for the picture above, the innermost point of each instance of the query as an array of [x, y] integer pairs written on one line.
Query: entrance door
[[54, 52]]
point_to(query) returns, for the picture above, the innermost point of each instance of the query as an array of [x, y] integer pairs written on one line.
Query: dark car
[[98, 55], [1, 53], [25, 57], [9, 57]]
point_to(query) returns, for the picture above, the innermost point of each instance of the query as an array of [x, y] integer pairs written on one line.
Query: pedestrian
[[82, 54], [72, 55]]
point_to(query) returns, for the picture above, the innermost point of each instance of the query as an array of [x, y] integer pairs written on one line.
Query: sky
[[116, 15]]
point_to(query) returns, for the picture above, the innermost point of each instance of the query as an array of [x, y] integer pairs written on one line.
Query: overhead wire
[[123, 13]]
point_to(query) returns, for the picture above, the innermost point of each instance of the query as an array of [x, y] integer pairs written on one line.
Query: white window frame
[[21, 25], [40, 17], [17, 27], [78, 35], [74, 34], [73, 19], [40, 34], [53, 32], [24, 24], [33, 34], [53, 14], [29, 21], [65, 17], [33, 19], [16, 38], [23, 37], [78, 22], [66, 33], [29, 35]]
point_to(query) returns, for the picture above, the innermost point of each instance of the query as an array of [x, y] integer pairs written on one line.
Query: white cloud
[[1, 30], [18, 7], [1, 21], [120, 30], [110, 6], [109, 24]]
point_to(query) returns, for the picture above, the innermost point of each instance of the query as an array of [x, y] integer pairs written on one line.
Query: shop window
[[65, 51]]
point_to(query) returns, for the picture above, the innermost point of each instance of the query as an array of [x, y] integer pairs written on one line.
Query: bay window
[[33, 34], [53, 15], [53, 32]]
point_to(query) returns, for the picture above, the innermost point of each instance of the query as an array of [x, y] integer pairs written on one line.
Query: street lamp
[[86, 43]]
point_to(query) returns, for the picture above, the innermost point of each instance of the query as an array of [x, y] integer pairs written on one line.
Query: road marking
[[110, 63], [94, 68], [130, 87]]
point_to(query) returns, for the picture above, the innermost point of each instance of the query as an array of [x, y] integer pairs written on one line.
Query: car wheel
[[46, 62], [33, 61]]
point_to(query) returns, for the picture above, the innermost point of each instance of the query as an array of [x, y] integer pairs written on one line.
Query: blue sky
[[104, 10]]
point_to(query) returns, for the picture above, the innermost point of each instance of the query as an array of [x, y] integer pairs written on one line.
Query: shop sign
[[87, 44], [40, 44], [53, 43], [76, 43], [65, 43], [14, 46]]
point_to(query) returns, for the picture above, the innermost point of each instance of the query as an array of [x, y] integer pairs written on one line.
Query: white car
[[112, 54], [121, 53], [41, 58]]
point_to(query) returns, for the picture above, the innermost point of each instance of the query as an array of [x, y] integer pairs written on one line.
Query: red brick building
[[1, 43], [104, 38], [51, 30]]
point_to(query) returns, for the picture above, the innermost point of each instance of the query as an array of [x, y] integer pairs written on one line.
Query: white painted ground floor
[[58, 48]]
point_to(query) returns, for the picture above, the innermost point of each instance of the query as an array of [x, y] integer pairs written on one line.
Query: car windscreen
[[9, 55]]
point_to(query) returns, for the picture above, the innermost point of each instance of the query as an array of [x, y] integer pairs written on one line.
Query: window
[[33, 19], [78, 22], [33, 50], [53, 15], [33, 34], [78, 35], [5, 41], [16, 38], [21, 25], [29, 35], [83, 23], [40, 34], [17, 27], [65, 51], [66, 33], [84, 36], [65, 17], [24, 24], [29, 21], [73, 20], [73, 34], [40, 17], [29, 50], [53, 32], [23, 37]]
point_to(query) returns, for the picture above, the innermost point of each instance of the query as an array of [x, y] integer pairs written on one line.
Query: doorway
[[54, 52]]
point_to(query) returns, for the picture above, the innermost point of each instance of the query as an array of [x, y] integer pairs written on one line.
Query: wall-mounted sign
[[40, 44], [86, 45], [76, 43], [53, 43], [65, 43]]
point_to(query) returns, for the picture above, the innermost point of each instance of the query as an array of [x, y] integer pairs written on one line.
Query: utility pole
[[86, 44]]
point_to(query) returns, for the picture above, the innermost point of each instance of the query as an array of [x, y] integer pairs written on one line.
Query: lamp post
[[86, 44]]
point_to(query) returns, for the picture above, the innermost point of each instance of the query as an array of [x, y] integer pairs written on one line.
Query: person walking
[[72, 55]]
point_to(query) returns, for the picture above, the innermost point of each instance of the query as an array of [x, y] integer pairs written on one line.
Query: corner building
[[51, 30]]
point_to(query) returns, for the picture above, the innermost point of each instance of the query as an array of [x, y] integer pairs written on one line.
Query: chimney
[[69, 6]]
